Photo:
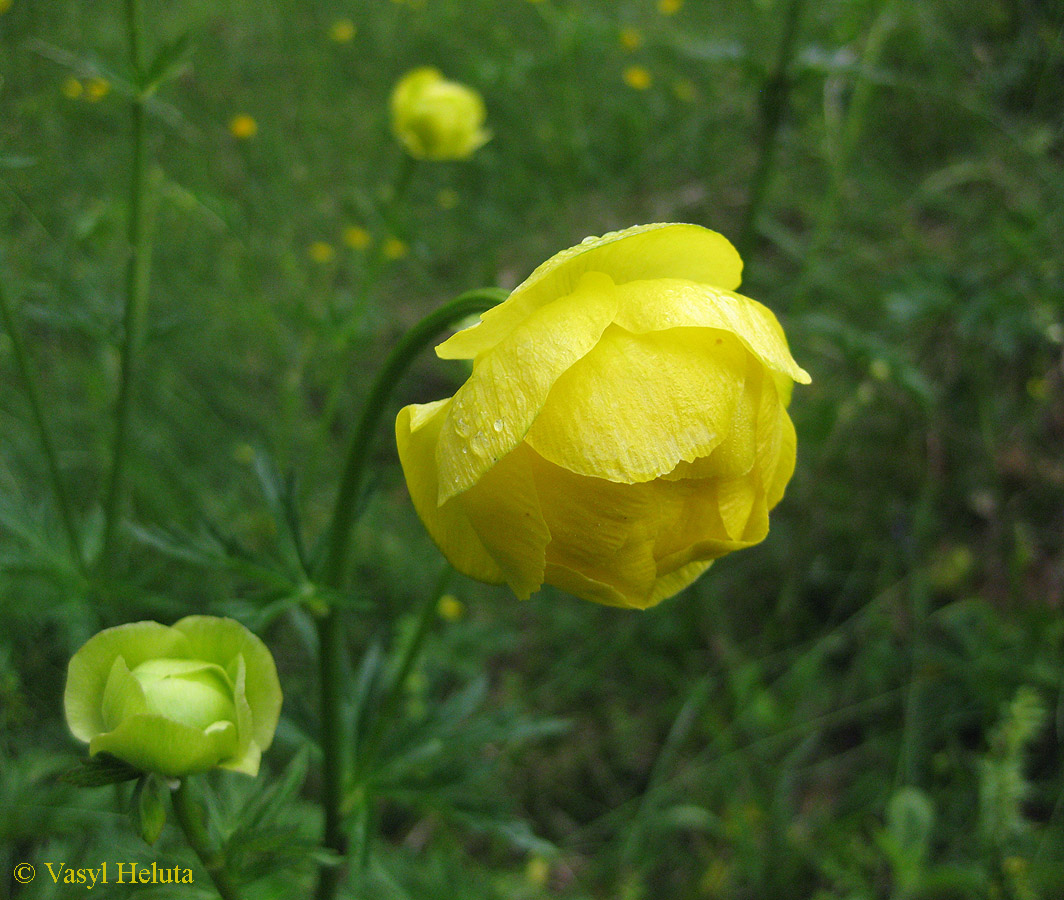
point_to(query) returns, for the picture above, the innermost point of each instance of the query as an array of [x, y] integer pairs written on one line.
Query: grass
[[824, 715]]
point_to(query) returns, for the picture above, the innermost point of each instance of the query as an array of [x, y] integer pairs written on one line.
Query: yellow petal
[[493, 410], [602, 530], [417, 430], [638, 404], [504, 510], [664, 303], [655, 251], [669, 585], [737, 453]]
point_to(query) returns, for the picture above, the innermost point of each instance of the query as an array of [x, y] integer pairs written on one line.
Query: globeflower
[[175, 700], [437, 119], [624, 425]]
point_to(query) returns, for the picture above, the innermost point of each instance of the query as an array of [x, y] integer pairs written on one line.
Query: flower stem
[[775, 101], [137, 277], [190, 817], [333, 571], [28, 374]]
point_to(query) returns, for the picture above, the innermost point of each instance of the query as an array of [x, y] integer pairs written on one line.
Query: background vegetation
[[868, 705]]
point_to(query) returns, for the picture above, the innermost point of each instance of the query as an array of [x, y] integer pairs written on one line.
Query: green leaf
[[148, 810], [100, 770]]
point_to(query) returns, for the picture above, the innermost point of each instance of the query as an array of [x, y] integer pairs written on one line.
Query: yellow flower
[[437, 119], [342, 31], [394, 248], [5, 5], [243, 127], [624, 424], [356, 237], [72, 88], [669, 7], [637, 77], [450, 608], [321, 252], [631, 38], [96, 89]]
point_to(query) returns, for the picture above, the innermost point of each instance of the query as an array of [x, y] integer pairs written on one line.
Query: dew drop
[[497, 426]]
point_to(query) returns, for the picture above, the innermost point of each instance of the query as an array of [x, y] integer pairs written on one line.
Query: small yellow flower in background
[[637, 77], [243, 127], [631, 38], [684, 90], [321, 252], [437, 119], [447, 198], [356, 237], [394, 248], [5, 5], [537, 871], [342, 31], [879, 369], [72, 88], [669, 7], [450, 608], [624, 424], [244, 454], [96, 89]]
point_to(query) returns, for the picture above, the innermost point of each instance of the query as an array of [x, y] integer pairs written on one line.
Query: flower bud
[[437, 119], [175, 700]]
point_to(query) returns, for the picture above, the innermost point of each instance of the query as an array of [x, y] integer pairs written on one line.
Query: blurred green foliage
[[868, 705]]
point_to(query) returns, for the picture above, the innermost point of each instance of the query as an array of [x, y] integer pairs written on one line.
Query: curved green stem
[[412, 343], [332, 573], [28, 375], [137, 277], [190, 817]]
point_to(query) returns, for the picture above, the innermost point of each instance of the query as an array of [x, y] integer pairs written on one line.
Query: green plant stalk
[[138, 269], [191, 822], [775, 102], [27, 372], [333, 570]]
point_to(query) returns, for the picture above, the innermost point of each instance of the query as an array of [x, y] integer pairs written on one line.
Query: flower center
[[186, 691]]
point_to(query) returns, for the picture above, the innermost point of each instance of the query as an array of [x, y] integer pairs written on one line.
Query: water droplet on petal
[[497, 426]]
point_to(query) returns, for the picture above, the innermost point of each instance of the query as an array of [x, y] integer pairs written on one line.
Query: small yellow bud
[[684, 90], [447, 198], [631, 38], [394, 248], [96, 89], [450, 608], [342, 31], [243, 127], [321, 252], [356, 237], [669, 7], [72, 88], [637, 77]]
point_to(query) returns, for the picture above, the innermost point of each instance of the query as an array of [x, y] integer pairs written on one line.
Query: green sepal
[[148, 809], [99, 771]]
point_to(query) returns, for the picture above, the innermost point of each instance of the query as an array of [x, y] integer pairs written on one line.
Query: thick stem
[[334, 742], [775, 101], [28, 374], [397, 362], [189, 817], [136, 287]]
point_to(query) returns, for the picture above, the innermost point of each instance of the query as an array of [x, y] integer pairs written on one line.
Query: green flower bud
[[175, 700]]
